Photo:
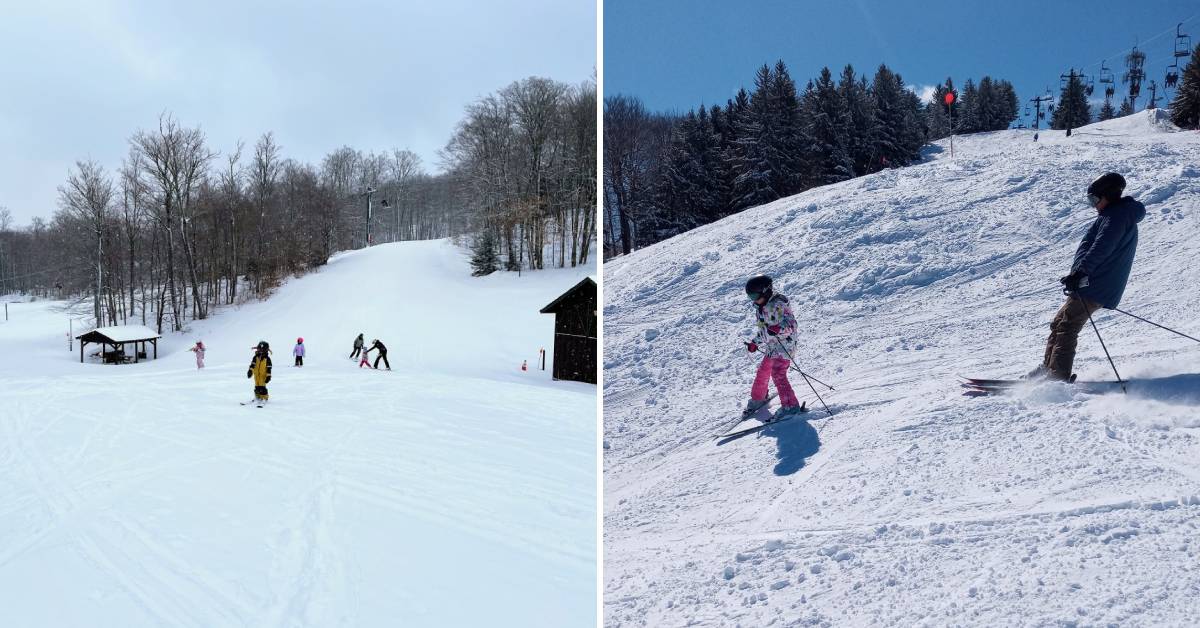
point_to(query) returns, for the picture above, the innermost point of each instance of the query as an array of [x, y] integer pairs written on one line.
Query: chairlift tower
[[1039, 114], [1134, 74]]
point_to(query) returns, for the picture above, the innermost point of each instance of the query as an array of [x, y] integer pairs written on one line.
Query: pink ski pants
[[776, 369]]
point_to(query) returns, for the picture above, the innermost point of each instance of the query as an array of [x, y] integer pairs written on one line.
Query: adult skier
[[260, 370], [298, 351], [358, 345], [776, 339], [1098, 274], [375, 344]]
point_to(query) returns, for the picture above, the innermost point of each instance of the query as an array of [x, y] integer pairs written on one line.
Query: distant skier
[[298, 351], [1098, 274], [260, 370], [376, 345], [199, 351], [776, 338], [358, 345]]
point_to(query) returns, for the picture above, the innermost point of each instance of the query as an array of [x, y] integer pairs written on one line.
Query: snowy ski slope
[[453, 490], [914, 505]]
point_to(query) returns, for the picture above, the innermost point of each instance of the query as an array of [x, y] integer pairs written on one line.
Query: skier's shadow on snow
[[797, 441]]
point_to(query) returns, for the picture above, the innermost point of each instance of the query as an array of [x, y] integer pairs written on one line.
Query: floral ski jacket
[[776, 316]]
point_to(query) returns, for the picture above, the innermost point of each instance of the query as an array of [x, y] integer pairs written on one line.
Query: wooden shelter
[[575, 347], [117, 337]]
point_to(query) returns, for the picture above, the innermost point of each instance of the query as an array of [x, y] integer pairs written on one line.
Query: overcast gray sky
[[78, 78]]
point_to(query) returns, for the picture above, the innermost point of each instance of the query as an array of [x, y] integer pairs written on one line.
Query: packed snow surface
[[453, 490], [914, 504]]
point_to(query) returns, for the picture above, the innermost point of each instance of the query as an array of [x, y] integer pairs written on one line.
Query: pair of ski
[[749, 412], [256, 402], [977, 386]]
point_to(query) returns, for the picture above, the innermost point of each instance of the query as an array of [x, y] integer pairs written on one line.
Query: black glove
[[1074, 282], [268, 380], [249, 373]]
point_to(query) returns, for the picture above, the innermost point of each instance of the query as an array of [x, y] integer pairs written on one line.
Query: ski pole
[[1179, 333], [1097, 330], [802, 374]]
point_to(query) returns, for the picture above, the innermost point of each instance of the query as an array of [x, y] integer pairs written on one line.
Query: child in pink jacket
[[199, 351], [776, 339], [298, 351]]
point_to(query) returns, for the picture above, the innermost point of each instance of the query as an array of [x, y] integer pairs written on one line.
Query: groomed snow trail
[[452, 490], [914, 505]]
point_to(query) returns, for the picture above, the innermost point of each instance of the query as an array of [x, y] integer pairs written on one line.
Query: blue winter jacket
[[1106, 253]]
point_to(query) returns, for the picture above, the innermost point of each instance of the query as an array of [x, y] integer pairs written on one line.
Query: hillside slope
[[913, 505], [453, 490]]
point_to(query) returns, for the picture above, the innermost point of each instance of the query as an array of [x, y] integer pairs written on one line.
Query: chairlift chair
[[1183, 43]]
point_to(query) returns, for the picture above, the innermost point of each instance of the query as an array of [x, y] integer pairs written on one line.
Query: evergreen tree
[[1126, 109], [769, 155], [689, 194], [1185, 107], [484, 260], [937, 116], [855, 95], [1073, 109], [828, 121], [1008, 106], [969, 121], [1107, 112]]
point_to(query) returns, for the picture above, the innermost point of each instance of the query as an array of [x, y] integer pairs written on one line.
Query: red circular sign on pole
[[949, 98]]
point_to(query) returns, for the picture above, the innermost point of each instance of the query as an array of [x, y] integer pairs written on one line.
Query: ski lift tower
[[1134, 74], [1066, 81], [1039, 115]]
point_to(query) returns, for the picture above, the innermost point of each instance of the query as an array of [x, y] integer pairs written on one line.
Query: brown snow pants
[[1064, 334]]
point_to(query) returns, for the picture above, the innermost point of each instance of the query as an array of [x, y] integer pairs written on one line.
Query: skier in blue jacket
[[1098, 274]]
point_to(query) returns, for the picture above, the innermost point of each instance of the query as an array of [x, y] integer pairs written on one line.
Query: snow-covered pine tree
[[828, 122], [1185, 107], [1072, 110], [1009, 107], [483, 259]]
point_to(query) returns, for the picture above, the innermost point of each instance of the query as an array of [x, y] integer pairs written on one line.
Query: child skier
[[775, 337], [298, 351], [199, 351], [363, 359], [260, 370]]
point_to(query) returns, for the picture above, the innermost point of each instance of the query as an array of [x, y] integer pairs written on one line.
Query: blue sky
[[675, 54], [78, 77]]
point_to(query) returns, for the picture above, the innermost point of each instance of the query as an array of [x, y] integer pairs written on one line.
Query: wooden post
[[81, 343], [154, 341]]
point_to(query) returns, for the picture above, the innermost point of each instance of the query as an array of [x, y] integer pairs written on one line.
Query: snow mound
[[913, 504]]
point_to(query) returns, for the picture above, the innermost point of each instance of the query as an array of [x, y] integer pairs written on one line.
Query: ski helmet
[[299, 341], [1109, 186], [263, 346], [758, 286]]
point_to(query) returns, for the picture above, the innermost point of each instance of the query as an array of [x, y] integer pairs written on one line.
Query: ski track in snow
[[144, 495], [914, 505]]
